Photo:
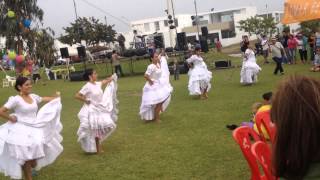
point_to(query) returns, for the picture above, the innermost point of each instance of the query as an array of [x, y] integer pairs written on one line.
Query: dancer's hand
[[87, 101], [151, 82], [13, 119], [58, 94]]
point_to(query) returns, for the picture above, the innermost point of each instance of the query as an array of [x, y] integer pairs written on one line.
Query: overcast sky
[[59, 13]]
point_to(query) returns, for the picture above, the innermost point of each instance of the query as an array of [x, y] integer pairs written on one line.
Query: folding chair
[[262, 154], [242, 136], [268, 126]]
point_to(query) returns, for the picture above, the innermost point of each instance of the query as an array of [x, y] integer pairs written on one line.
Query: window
[[227, 34], [157, 26], [165, 23], [146, 27]]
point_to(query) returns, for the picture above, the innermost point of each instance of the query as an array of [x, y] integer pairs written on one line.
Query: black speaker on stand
[[204, 44], [158, 41], [204, 31], [182, 41], [82, 55]]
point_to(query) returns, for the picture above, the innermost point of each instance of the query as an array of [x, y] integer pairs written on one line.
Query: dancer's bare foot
[[157, 120]]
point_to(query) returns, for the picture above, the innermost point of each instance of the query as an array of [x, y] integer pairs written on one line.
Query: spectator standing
[[116, 63]]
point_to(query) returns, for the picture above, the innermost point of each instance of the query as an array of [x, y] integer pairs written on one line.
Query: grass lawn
[[190, 143]]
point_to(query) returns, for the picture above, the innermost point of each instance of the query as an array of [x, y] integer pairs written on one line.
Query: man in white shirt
[[265, 48], [278, 53]]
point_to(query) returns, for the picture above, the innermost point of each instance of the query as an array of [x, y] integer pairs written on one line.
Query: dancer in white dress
[[199, 76], [30, 138], [98, 113], [250, 69], [155, 95]]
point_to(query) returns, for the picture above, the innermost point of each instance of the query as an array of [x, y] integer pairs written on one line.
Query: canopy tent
[[301, 10]]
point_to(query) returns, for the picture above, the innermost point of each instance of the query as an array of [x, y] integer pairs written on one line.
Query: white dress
[[165, 77], [154, 94], [98, 118], [250, 68], [35, 135], [199, 76]]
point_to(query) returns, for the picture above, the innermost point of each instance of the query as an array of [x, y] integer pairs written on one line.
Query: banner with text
[[301, 10]]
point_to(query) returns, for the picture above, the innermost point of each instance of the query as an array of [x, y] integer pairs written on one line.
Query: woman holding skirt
[[199, 76], [250, 69], [99, 111], [31, 138], [156, 94]]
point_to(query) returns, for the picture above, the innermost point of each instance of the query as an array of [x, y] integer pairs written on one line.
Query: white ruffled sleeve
[[150, 69], [11, 103], [84, 90], [37, 98]]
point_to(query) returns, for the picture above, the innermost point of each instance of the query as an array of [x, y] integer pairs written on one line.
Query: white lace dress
[[35, 135], [199, 76], [98, 118], [250, 69], [154, 94]]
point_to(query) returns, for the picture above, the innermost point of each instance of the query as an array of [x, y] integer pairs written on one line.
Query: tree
[[258, 25], [121, 40], [15, 27], [91, 30], [43, 46], [310, 26]]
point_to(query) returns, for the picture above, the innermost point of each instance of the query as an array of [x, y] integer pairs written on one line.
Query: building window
[[227, 34], [157, 26], [165, 23], [146, 27]]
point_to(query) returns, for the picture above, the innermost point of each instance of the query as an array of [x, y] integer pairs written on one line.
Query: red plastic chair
[[242, 136], [262, 153], [268, 125]]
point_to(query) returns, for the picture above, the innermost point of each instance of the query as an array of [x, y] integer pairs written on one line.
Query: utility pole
[[197, 18], [171, 31]]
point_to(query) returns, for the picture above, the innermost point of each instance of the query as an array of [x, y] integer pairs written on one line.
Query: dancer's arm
[[82, 98], [106, 81], [50, 98], [147, 77], [4, 114]]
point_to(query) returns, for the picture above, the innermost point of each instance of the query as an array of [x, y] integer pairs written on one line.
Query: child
[[176, 69], [316, 62], [254, 108], [35, 72]]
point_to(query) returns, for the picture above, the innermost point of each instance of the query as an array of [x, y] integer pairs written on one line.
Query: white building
[[156, 26], [221, 24]]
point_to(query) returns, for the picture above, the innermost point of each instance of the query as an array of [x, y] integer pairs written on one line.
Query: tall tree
[[91, 30], [310, 26], [15, 19], [42, 45], [121, 40], [257, 25]]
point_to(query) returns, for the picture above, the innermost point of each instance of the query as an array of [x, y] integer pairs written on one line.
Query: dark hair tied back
[[87, 73], [19, 82]]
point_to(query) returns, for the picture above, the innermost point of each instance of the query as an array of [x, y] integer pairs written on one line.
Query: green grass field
[[190, 143]]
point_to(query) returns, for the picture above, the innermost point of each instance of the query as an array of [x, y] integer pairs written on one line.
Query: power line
[[105, 12]]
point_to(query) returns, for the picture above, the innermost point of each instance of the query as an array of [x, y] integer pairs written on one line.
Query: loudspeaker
[[140, 52], [81, 51], [158, 41], [182, 41], [76, 76], [204, 44], [64, 52], [223, 64], [204, 31]]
